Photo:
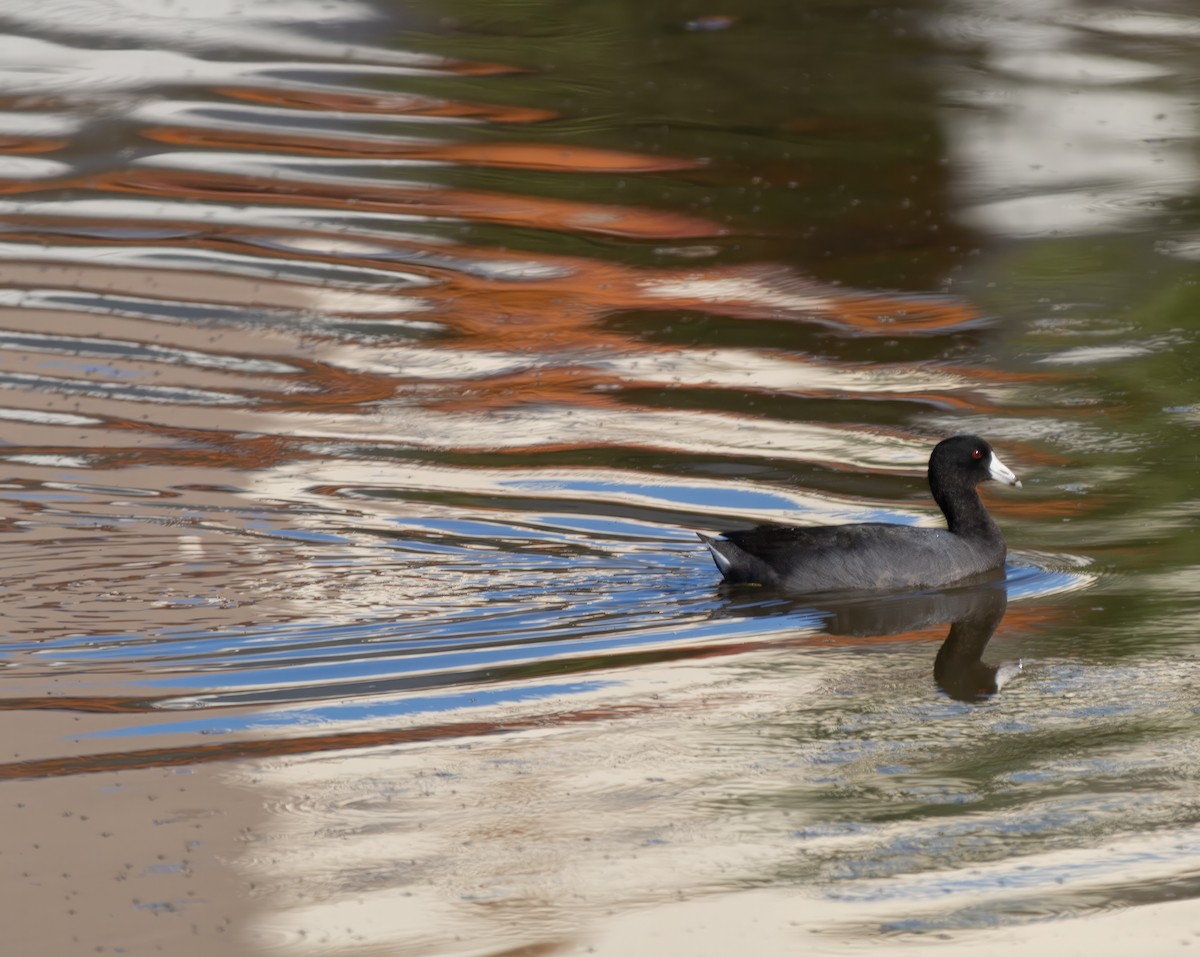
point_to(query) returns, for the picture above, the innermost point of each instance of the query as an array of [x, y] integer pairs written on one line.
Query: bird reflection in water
[[958, 668], [974, 613]]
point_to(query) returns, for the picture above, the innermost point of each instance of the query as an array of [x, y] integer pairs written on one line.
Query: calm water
[[367, 369]]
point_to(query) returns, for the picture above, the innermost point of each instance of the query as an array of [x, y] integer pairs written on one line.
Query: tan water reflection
[[127, 861], [481, 847]]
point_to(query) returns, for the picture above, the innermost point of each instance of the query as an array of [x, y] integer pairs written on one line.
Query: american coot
[[875, 556]]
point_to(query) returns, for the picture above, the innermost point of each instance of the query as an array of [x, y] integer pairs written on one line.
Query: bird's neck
[[965, 512]]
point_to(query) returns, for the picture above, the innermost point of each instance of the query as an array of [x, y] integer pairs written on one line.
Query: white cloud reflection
[[1051, 137]]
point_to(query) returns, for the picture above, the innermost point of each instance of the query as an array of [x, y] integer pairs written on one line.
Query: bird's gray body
[[874, 556], [844, 557]]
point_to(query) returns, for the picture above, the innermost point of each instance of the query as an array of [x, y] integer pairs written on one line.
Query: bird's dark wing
[[781, 544], [841, 557]]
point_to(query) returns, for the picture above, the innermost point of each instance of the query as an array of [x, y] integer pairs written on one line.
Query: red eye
[[977, 454]]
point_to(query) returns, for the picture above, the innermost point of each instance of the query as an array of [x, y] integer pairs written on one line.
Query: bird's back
[[869, 556]]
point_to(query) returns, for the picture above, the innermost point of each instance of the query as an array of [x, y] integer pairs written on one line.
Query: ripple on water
[[496, 610]]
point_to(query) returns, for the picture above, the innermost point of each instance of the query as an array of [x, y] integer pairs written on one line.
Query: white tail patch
[[723, 563]]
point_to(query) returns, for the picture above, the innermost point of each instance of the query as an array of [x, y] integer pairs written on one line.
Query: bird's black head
[[967, 460]]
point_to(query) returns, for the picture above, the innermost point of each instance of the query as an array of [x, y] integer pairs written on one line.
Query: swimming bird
[[875, 556]]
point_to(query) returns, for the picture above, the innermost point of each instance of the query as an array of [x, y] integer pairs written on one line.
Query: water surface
[[366, 371]]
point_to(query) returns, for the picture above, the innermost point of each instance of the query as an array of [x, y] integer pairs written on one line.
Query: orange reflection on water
[[528, 156], [397, 104], [30, 145], [408, 200], [543, 156], [578, 292]]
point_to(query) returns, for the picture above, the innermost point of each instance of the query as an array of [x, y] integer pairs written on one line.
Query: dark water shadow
[[974, 612]]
